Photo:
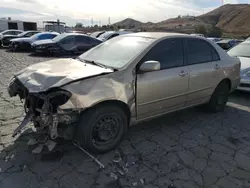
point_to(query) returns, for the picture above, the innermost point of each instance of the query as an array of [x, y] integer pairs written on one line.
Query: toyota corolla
[[94, 98]]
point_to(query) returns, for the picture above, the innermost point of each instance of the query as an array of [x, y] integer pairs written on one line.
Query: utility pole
[[109, 21], [91, 22]]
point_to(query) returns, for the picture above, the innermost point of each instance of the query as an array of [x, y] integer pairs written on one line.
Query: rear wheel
[[219, 98], [101, 128]]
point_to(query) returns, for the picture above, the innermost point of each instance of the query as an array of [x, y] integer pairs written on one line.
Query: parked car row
[[52, 43], [25, 43]]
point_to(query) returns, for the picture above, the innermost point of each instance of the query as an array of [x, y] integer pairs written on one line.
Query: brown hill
[[233, 19], [129, 23]]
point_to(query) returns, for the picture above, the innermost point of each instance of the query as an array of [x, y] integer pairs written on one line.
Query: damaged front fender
[[88, 93]]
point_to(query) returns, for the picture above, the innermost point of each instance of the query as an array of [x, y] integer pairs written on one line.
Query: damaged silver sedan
[[95, 97]]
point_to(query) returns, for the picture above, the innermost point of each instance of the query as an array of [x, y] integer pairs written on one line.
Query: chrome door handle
[[183, 73], [216, 66]]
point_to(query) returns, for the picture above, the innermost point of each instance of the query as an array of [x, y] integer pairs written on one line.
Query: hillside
[[129, 22], [233, 19]]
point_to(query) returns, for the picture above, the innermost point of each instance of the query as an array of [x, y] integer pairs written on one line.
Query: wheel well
[[120, 104], [227, 81]]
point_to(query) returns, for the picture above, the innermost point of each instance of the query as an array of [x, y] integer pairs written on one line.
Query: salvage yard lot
[[187, 149]]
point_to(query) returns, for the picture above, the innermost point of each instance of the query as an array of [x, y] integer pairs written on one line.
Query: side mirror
[[149, 66]]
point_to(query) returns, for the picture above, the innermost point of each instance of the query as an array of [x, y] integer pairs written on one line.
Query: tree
[[201, 29], [95, 26], [111, 27], [78, 24], [214, 32]]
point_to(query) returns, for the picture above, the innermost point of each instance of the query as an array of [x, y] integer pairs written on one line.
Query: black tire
[[219, 98], [87, 133]]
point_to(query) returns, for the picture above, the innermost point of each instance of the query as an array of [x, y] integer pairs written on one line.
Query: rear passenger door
[[202, 62], [83, 43]]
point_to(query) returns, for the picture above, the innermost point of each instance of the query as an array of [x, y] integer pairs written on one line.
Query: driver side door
[[164, 90]]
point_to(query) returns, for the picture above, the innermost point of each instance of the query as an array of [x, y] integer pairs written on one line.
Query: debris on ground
[[142, 181], [91, 156], [113, 175], [117, 158], [134, 184]]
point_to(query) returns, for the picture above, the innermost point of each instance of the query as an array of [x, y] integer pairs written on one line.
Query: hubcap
[[106, 129]]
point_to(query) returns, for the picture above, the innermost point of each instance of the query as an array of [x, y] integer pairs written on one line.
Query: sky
[[73, 11]]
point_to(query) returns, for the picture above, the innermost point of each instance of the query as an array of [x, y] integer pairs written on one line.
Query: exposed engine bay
[[49, 120]]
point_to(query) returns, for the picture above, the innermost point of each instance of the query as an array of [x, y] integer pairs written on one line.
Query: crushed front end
[[43, 109]]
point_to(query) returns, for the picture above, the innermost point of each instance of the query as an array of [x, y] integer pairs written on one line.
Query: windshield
[[34, 37], [60, 37], [22, 34], [106, 34], [241, 50], [95, 34], [117, 52]]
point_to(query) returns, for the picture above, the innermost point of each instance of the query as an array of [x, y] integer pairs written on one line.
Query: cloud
[[143, 10]]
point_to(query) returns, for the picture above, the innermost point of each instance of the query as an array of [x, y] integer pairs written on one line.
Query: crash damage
[[54, 99]]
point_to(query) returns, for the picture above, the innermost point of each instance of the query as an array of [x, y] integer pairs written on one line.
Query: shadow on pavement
[[241, 98]]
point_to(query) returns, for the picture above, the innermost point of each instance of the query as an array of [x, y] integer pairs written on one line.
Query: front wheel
[[101, 128], [219, 98]]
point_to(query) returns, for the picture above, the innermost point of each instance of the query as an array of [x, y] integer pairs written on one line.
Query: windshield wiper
[[95, 63], [91, 62]]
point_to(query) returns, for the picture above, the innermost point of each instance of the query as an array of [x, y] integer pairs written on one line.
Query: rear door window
[[82, 40], [200, 51]]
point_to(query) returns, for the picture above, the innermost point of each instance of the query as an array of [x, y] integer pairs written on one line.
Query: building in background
[[56, 26], [6, 24]]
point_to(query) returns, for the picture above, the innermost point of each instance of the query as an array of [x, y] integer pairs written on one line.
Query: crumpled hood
[[55, 73], [245, 63], [21, 40], [42, 42]]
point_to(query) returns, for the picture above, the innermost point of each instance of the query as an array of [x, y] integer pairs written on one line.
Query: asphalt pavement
[[186, 149]]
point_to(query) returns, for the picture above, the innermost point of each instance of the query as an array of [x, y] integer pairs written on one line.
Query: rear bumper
[[244, 85]]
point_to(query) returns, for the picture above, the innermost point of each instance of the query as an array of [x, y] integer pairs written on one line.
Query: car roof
[[32, 31], [74, 34], [245, 42], [55, 33], [13, 30], [157, 35]]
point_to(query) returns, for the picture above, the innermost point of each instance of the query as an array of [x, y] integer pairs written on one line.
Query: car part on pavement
[[91, 156]]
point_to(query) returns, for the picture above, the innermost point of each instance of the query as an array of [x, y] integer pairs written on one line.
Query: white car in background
[[111, 34], [242, 51], [197, 35]]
